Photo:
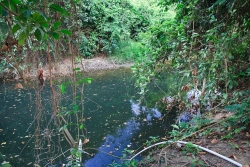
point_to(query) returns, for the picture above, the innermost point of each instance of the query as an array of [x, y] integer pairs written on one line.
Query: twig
[[14, 13]]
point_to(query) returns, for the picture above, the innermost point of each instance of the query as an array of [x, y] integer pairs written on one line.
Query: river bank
[[65, 67]]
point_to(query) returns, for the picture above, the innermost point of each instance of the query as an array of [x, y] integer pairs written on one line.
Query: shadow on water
[[114, 120]]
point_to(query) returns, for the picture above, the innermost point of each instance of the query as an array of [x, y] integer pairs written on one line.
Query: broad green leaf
[[67, 32], [38, 35], [22, 37], [15, 1], [27, 13], [44, 24], [16, 28], [175, 126], [58, 8], [75, 107], [4, 28], [81, 126], [77, 69], [55, 35], [39, 18], [89, 80], [62, 88], [56, 25], [4, 12]]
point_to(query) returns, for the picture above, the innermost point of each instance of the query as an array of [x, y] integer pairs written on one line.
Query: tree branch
[[14, 13]]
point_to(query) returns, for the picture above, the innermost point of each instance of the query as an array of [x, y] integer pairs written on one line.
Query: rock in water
[[18, 86]]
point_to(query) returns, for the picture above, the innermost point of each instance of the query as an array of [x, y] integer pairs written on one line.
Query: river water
[[114, 121]]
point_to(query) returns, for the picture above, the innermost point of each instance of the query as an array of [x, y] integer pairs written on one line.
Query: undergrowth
[[128, 52]]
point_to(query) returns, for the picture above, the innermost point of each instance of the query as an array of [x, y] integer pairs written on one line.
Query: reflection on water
[[114, 120], [115, 144]]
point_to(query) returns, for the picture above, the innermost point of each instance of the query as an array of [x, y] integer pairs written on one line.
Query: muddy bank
[[65, 67]]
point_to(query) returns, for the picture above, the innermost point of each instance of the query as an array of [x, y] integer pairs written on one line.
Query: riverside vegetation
[[203, 43]]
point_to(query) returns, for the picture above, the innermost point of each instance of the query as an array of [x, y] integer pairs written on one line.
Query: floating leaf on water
[[5, 163], [3, 143], [128, 145], [16, 156], [29, 163], [85, 141], [1, 130], [23, 142]]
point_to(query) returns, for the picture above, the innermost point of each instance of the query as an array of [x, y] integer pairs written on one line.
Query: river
[[114, 121]]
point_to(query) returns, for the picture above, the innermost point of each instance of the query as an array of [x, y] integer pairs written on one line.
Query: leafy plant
[[190, 148]]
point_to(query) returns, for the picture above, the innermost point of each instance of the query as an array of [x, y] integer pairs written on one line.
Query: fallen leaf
[[202, 153], [245, 166], [247, 134], [179, 145], [214, 141], [188, 154], [85, 141], [219, 164], [199, 143], [234, 157]]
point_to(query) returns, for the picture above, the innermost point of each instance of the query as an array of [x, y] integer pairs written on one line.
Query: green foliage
[[128, 51], [203, 41], [133, 163], [108, 25], [4, 28], [89, 46], [190, 148], [152, 140], [241, 115], [30, 20], [197, 162], [74, 161]]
